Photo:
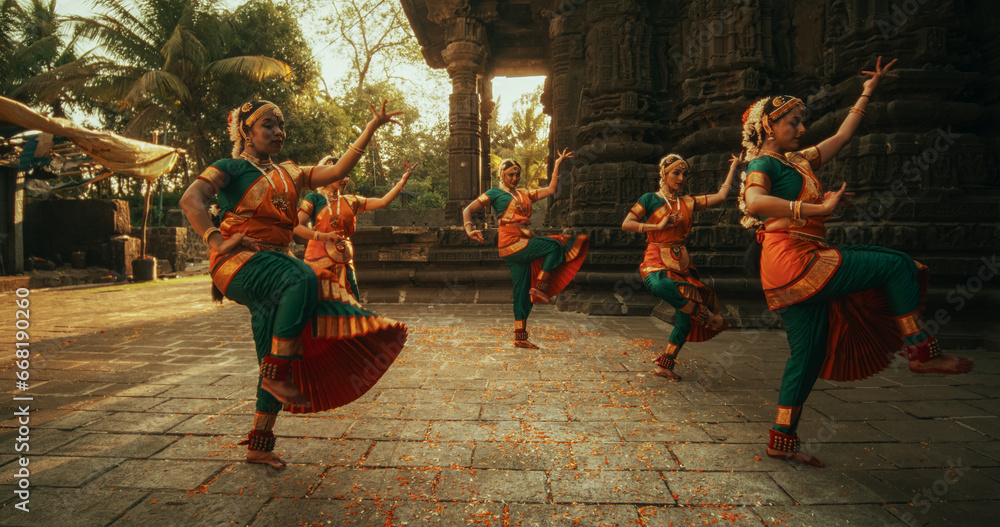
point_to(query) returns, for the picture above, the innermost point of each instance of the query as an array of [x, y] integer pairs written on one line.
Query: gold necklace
[[663, 194], [278, 199], [779, 157], [334, 219], [260, 164]]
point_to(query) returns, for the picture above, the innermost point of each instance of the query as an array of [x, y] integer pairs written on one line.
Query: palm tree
[[525, 139], [163, 57], [40, 66]]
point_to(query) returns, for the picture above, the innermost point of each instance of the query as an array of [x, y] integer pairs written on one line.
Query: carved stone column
[[464, 57], [485, 114]]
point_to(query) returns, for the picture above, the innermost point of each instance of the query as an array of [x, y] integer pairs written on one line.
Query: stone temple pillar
[[464, 56], [485, 114]]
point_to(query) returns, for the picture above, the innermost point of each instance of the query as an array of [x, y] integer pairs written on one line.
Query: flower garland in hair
[[754, 129], [234, 132]]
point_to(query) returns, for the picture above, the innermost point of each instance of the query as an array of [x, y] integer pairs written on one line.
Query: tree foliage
[[524, 138], [162, 59], [38, 55]]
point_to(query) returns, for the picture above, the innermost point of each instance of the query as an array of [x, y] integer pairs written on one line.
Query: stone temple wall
[[631, 80]]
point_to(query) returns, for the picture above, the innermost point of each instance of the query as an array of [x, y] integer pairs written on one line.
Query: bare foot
[[715, 321], [798, 457], [945, 364], [667, 374], [286, 392], [525, 344], [535, 293], [266, 458]]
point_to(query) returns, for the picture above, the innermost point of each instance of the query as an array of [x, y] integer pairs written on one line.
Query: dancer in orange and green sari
[[846, 310], [666, 218], [316, 346], [552, 260], [333, 216]]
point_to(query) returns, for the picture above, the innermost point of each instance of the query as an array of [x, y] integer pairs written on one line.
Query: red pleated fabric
[[335, 372], [561, 276], [864, 336], [698, 332]]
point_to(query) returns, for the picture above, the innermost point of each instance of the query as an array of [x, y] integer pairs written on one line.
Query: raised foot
[[716, 322], [266, 458], [798, 457], [525, 344], [536, 293], [945, 365], [286, 392], [666, 374]]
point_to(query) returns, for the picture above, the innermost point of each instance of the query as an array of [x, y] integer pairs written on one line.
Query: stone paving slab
[[465, 429]]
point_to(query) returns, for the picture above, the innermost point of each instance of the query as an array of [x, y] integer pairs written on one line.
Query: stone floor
[[141, 394]]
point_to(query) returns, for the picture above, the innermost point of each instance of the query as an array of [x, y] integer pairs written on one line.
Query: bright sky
[[506, 90]]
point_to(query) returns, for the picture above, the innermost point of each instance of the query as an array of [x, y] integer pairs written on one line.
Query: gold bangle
[[791, 207], [207, 233], [797, 213], [641, 225], [316, 236], [858, 111], [354, 148]]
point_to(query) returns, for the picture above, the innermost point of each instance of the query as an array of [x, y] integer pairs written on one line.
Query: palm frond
[[256, 68], [183, 45], [159, 83]]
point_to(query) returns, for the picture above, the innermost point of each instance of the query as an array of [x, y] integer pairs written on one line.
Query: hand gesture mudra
[[668, 221], [408, 170], [383, 117], [878, 74], [476, 235], [566, 153]]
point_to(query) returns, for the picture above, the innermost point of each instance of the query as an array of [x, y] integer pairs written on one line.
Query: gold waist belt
[[268, 246], [809, 237], [667, 245]]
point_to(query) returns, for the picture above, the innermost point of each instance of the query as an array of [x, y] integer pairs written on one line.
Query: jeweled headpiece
[[672, 161], [506, 165], [242, 118], [760, 115]]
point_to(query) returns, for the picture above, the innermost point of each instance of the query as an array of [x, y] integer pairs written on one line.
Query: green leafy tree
[[524, 138], [162, 57], [38, 56], [315, 123]]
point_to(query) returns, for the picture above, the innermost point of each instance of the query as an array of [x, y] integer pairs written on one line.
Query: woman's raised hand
[[836, 198], [877, 75], [736, 160], [564, 154], [408, 170], [382, 117]]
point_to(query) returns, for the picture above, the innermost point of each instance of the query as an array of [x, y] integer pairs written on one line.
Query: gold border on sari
[[282, 347], [307, 207], [819, 271], [909, 324], [213, 176], [759, 179], [578, 244], [263, 421], [787, 414], [225, 271]]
